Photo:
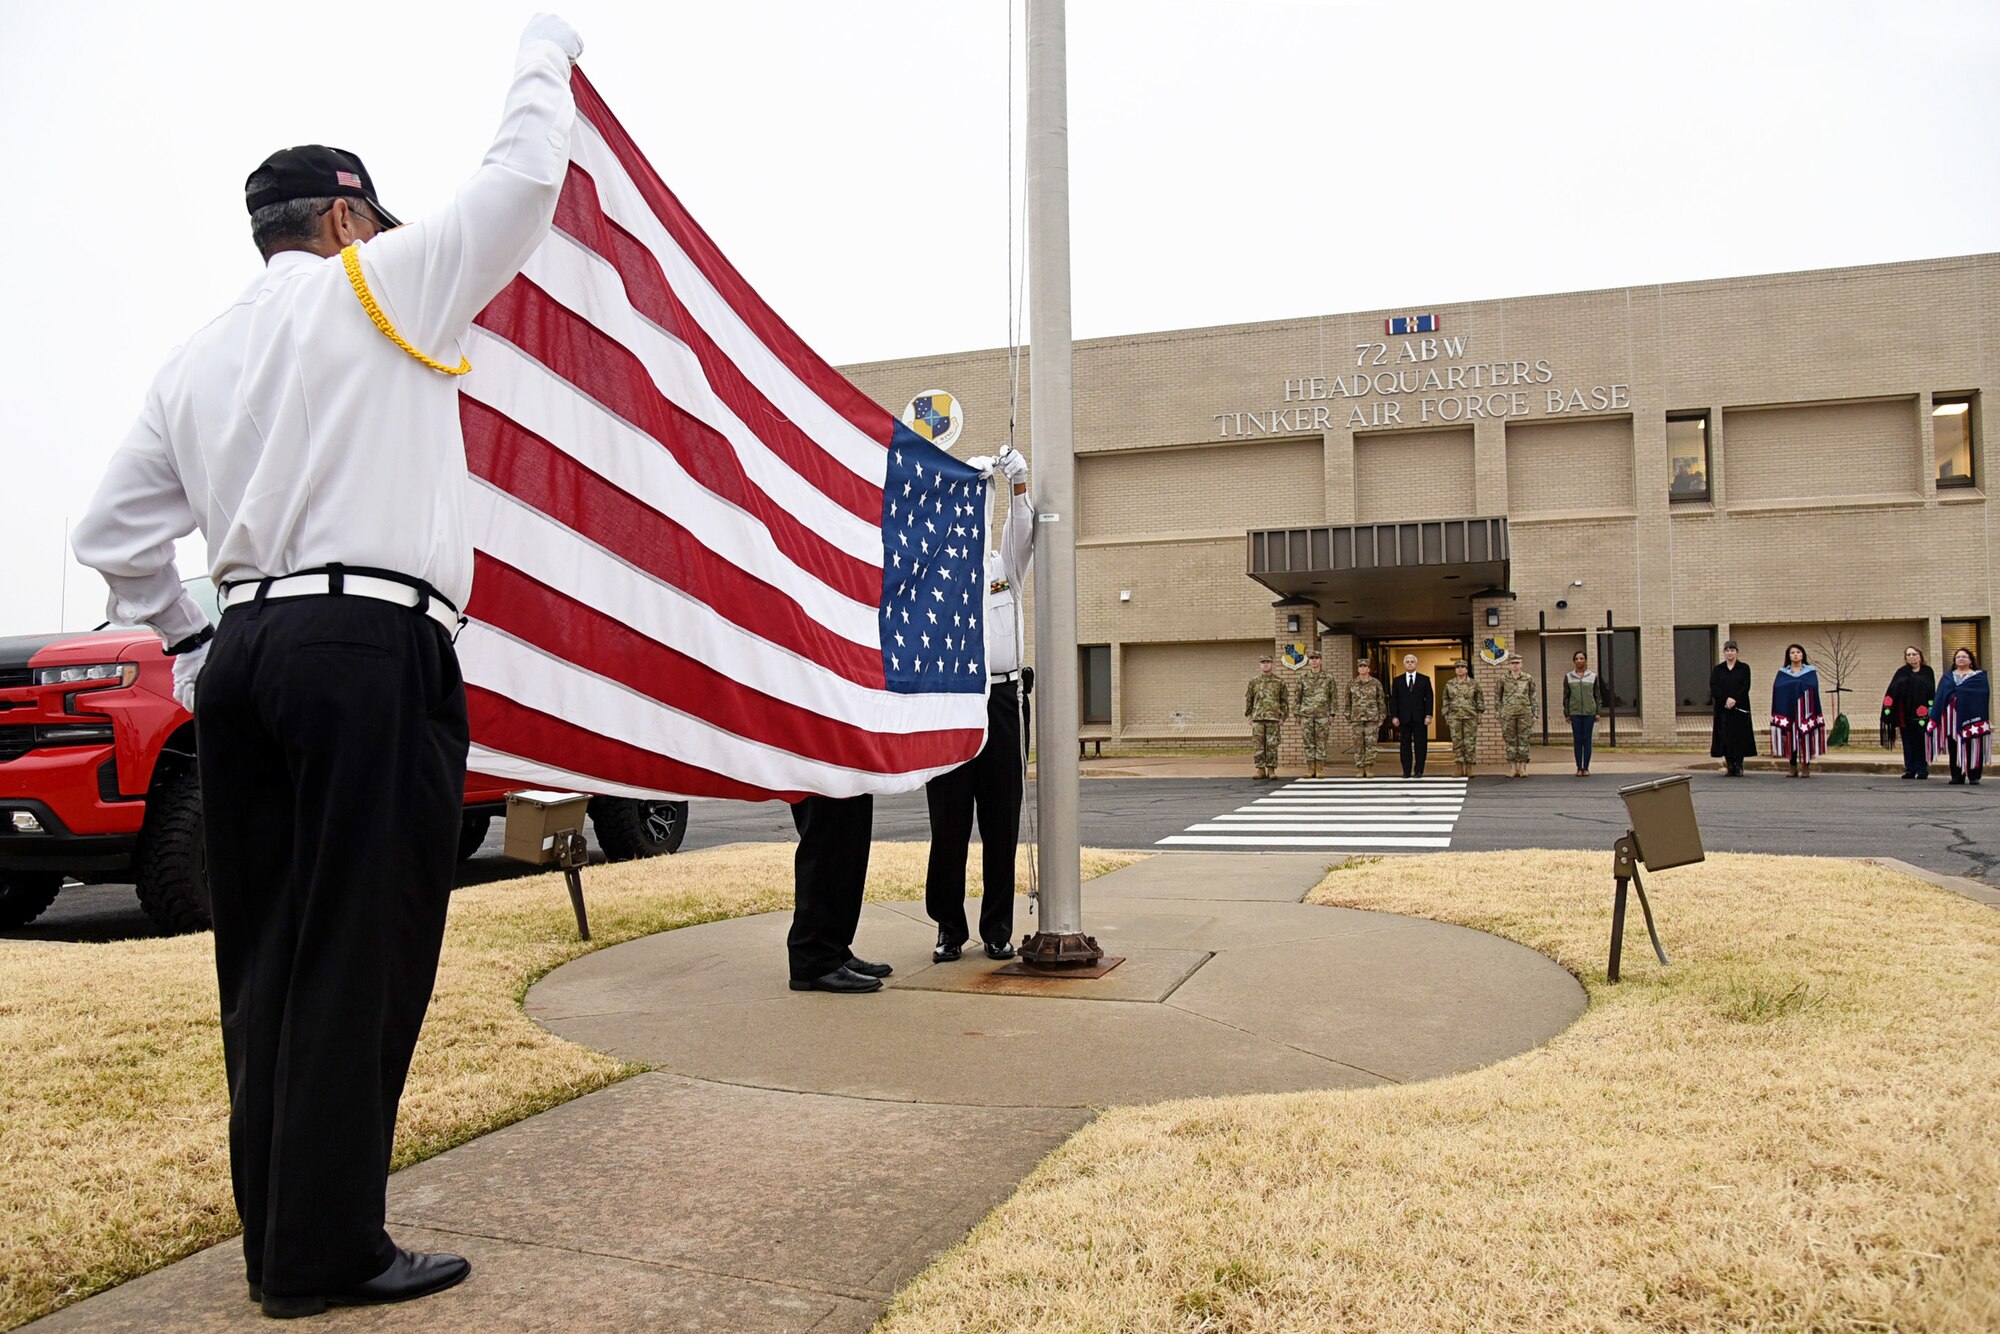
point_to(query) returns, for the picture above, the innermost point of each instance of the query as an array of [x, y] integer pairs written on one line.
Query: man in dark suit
[[1410, 706], [830, 872]]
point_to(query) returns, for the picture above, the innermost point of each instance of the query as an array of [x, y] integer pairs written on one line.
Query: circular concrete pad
[[1261, 994]]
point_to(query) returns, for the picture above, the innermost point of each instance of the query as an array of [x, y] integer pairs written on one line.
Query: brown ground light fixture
[[1663, 835], [546, 829]]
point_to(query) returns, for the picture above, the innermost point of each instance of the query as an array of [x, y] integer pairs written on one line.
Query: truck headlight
[[98, 674]]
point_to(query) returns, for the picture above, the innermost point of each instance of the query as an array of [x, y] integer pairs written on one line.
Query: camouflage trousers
[[1364, 744], [1464, 738], [1314, 733], [1264, 743], [1514, 730]]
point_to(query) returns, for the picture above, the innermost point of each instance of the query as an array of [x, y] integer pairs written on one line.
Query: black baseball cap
[[312, 171]]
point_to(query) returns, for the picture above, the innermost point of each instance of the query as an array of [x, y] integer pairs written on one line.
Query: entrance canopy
[[1381, 579]]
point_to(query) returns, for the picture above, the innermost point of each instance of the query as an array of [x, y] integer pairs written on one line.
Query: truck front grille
[[16, 676], [16, 740]]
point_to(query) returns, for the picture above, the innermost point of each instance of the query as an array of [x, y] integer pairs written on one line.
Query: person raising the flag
[[311, 432], [991, 781]]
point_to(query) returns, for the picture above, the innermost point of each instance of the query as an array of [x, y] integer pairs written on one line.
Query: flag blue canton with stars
[[933, 571]]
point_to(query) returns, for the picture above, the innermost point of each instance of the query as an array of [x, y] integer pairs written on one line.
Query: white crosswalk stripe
[[1337, 813]]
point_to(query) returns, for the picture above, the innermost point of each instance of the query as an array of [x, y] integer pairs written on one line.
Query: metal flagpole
[[1060, 939]]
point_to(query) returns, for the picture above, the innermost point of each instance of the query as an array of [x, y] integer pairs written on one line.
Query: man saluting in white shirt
[[311, 432]]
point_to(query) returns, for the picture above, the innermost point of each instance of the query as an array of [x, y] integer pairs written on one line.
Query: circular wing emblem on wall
[[936, 416]]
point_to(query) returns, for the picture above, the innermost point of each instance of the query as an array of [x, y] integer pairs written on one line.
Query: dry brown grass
[[1790, 1128], [113, 1158]]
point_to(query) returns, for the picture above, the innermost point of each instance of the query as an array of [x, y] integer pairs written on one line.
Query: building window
[[1093, 679], [1694, 658], [1687, 455], [1951, 427], [1955, 636], [1618, 666]]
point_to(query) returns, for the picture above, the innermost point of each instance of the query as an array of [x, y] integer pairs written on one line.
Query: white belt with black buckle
[[351, 585], [1014, 675]]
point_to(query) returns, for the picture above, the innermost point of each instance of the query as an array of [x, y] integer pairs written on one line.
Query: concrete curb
[[1957, 884]]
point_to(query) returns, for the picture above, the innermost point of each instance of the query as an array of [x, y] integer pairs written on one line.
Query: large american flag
[[707, 565]]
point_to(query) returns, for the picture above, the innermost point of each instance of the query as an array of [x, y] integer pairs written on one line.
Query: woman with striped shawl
[[1962, 718], [1798, 727]]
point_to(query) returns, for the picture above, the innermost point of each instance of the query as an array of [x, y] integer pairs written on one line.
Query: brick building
[[1794, 456]]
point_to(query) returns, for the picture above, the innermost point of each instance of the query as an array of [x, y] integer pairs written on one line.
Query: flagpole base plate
[[1075, 972], [1064, 950]]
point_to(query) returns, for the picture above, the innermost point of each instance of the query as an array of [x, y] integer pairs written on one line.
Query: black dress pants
[[332, 740], [829, 873], [1916, 751], [1415, 749], [990, 784]]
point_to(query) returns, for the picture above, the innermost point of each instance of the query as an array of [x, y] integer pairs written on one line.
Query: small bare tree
[[1837, 653]]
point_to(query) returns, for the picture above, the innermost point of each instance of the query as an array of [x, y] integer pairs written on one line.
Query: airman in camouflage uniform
[[1464, 701], [1367, 705], [1315, 699], [1518, 707], [1265, 705]]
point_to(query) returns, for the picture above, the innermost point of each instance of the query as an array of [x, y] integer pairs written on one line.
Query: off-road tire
[[628, 829], [25, 895], [172, 864], [472, 835]]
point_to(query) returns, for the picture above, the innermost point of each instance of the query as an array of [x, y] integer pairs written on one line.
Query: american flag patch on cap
[[348, 179]]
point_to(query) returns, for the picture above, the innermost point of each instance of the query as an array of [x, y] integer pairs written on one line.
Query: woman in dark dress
[[1732, 737], [1906, 708]]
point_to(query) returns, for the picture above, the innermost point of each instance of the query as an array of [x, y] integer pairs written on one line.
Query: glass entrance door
[[1435, 656]]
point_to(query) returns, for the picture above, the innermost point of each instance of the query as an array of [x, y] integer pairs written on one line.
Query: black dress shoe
[[410, 1275], [867, 969], [1001, 951], [843, 980], [947, 950]]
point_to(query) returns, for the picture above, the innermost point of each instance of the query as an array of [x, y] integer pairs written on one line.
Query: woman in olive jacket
[[1584, 697], [1906, 707]]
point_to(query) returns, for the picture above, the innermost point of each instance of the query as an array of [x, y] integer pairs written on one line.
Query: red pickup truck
[[97, 780]]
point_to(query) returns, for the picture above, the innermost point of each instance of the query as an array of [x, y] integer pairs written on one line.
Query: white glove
[[1013, 465], [981, 464], [187, 666], [550, 28]]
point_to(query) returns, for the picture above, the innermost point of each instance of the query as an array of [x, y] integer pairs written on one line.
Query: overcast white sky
[[1231, 160]]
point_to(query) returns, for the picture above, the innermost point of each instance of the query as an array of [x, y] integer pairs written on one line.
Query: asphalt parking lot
[[1953, 830]]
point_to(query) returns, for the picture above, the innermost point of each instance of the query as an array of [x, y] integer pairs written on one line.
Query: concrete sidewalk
[[808, 1154]]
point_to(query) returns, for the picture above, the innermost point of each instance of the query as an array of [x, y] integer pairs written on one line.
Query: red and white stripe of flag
[[676, 507]]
